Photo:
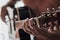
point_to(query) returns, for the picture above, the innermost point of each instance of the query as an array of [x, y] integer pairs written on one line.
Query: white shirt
[[3, 31]]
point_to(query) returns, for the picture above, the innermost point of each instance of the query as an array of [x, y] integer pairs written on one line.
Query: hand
[[3, 13], [31, 28]]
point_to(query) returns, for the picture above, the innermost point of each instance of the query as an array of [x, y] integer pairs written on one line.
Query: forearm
[[3, 13]]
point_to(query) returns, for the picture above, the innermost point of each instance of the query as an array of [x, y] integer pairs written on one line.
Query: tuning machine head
[[53, 9], [55, 14], [59, 7], [56, 22], [49, 15], [50, 23], [48, 10]]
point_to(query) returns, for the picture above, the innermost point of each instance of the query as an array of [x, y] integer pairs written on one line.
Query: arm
[[3, 13]]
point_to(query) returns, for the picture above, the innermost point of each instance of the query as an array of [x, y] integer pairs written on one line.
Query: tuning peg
[[56, 22], [50, 23], [56, 27], [44, 25], [48, 10], [59, 7], [49, 15], [53, 9], [43, 14], [55, 14]]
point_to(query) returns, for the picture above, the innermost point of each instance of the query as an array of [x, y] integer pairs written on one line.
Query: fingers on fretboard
[[49, 19]]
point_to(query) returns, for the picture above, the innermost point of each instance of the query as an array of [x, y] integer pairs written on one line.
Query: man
[[7, 17], [40, 6]]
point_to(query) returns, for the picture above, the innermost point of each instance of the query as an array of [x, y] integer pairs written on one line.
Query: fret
[[37, 22]]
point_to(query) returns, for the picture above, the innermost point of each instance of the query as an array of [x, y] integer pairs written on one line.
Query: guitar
[[49, 19]]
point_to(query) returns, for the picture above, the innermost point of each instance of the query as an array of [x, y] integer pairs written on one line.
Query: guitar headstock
[[49, 19]]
